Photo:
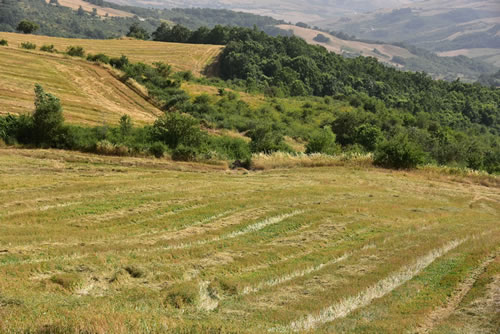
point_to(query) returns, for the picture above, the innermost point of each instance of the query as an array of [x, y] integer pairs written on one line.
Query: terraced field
[[182, 57], [89, 94], [114, 245]]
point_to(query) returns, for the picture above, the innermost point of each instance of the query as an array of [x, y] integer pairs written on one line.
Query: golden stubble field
[[88, 7], [94, 244], [182, 57], [90, 94]]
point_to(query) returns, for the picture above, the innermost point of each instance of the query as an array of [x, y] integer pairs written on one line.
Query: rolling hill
[[288, 10], [182, 57], [451, 27], [91, 94], [399, 56], [88, 7]]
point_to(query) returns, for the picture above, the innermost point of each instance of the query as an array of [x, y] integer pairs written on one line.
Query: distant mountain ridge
[[448, 27], [288, 10]]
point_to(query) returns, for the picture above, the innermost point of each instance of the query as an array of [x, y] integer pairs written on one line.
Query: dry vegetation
[[182, 57], [101, 11], [116, 245], [339, 46], [90, 94]]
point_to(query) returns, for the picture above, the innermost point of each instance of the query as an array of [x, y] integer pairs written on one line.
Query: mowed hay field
[[87, 6], [92, 244], [89, 94], [182, 57]]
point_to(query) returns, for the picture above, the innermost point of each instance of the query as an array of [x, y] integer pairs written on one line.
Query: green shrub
[[231, 148], [119, 63], [398, 153], [184, 75], [368, 136], [184, 153], [75, 51], [266, 139], [4, 42], [47, 119], [28, 46], [323, 141], [27, 27], [175, 129], [99, 58], [48, 48], [157, 149]]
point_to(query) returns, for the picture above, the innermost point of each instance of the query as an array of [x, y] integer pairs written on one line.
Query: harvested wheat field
[[87, 6], [90, 94], [182, 57], [93, 244]]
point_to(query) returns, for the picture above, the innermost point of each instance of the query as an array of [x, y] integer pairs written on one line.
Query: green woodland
[[330, 103], [56, 20]]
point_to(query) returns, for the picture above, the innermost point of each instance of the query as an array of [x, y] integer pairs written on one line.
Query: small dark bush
[[28, 46], [99, 58], [157, 149], [4, 42], [119, 63], [231, 148], [75, 51], [48, 48], [184, 153], [398, 153], [323, 141]]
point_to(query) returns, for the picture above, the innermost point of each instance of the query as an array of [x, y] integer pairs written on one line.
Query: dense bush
[[398, 153], [48, 48], [231, 148], [99, 58], [323, 141], [47, 119], [119, 63], [157, 149], [27, 27], [28, 45], [4, 42], [184, 153], [75, 51], [174, 129]]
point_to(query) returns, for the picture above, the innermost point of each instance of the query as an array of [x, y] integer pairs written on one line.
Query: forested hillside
[[57, 20]]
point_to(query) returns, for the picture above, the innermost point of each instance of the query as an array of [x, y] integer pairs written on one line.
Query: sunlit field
[[94, 244]]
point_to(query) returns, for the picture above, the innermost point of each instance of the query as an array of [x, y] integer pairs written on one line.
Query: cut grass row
[[206, 249]]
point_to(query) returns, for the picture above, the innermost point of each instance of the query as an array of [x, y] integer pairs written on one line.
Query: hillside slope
[[182, 57], [88, 7], [288, 10], [406, 58], [89, 93], [457, 27], [130, 245]]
